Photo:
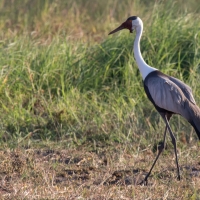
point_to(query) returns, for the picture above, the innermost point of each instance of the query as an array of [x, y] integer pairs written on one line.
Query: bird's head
[[131, 23]]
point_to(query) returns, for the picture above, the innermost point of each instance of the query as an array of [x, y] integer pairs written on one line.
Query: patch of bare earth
[[103, 174]]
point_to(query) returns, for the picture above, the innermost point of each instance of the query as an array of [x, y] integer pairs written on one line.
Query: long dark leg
[[174, 143], [160, 149]]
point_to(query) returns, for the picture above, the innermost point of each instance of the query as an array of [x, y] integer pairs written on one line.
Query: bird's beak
[[117, 29], [126, 25]]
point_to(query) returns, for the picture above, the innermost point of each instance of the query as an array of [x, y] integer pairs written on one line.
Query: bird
[[168, 94]]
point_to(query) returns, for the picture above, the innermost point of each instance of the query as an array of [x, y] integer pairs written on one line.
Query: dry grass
[[107, 173]]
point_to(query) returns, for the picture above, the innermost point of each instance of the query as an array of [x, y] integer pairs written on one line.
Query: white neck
[[142, 65]]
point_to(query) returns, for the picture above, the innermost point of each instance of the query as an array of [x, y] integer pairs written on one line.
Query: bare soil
[[109, 173]]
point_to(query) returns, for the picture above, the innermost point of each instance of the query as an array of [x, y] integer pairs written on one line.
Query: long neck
[[142, 65]]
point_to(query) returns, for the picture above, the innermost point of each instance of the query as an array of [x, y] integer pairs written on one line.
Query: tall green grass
[[56, 86]]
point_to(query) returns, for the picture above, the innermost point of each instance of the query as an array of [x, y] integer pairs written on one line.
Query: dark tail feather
[[196, 129], [195, 119]]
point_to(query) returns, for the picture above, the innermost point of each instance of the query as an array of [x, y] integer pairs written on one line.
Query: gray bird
[[168, 94]]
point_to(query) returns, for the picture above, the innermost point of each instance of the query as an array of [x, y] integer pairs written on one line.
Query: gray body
[[171, 96]]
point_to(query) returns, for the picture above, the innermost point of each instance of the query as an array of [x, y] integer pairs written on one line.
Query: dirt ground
[[112, 173]]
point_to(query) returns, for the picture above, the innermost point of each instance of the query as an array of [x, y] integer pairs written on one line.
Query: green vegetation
[[64, 83], [57, 86]]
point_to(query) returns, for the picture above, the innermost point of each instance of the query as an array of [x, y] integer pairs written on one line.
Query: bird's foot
[[144, 182]]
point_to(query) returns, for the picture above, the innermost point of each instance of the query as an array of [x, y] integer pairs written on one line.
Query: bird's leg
[[160, 149], [174, 143]]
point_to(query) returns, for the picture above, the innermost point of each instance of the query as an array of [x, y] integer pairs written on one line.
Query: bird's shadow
[[126, 177], [136, 176]]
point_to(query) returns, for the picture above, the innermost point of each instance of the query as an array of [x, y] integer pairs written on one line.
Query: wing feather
[[166, 94], [185, 89]]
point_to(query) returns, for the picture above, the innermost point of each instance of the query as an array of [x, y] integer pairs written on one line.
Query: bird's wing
[[166, 94], [187, 91]]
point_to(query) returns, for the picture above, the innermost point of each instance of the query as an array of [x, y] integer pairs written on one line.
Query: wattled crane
[[168, 94]]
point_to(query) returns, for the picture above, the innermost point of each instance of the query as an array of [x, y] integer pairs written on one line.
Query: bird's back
[[168, 93]]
